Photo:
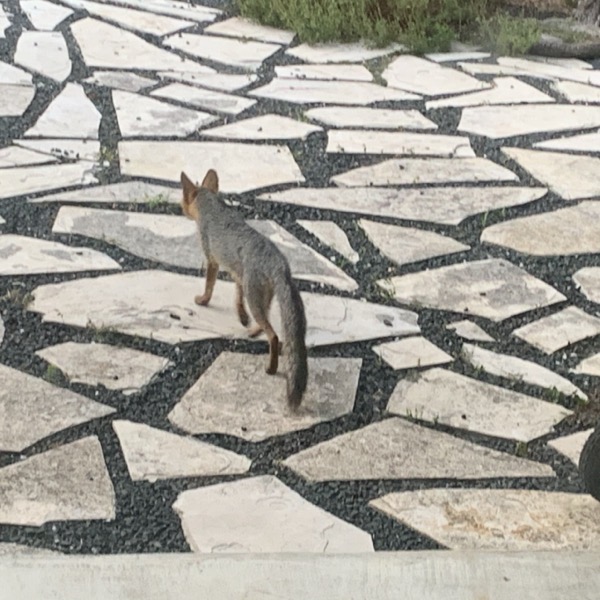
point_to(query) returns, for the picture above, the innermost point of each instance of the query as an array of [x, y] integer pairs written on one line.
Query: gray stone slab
[[120, 80]]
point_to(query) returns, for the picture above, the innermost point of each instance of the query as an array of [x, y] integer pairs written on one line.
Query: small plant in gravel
[[54, 375], [18, 297], [521, 449], [553, 395], [155, 201]]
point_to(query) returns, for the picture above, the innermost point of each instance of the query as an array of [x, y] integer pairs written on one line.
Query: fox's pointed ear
[[189, 188], [211, 181]]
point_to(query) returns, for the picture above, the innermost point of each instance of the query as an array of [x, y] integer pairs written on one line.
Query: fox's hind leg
[[212, 269], [259, 297], [239, 305]]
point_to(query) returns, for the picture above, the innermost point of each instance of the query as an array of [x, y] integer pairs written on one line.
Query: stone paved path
[[440, 215]]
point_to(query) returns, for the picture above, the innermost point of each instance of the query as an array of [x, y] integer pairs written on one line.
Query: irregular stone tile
[[492, 288], [539, 69], [398, 449], [261, 514], [470, 331], [570, 63], [9, 74], [577, 92], [204, 98], [445, 205], [241, 167], [365, 118], [43, 15], [337, 72], [71, 106], [235, 397], [475, 68], [23, 255], [144, 303], [128, 18], [561, 329], [589, 366], [512, 367], [72, 149], [411, 352], [67, 483], [142, 116], [15, 99], [244, 28], [421, 76], [441, 396], [340, 53], [265, 127], [41, 410], [588, 282], [499, 519], [405, 245], [95, 364], [571, 230], [350, 141], [456, 56], [571, 445], [587, 142], [2, 329], [328, 233], [309, 91], [184, 10], [120, 80], [152, 454], [4, 23], [28, 180], [236, 53], [20, 550], [103, 45], [44, 52], [227, 82], [505, 90], [407, 171], [14, 156]]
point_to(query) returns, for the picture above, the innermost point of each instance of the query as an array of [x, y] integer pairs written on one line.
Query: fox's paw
[[244, 319], [254, 331], [202, 300], [271, 370]]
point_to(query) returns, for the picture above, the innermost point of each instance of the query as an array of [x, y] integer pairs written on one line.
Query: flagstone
[[120, 80], [408, 171], [227, 82], [571, 445], [235, 397], [397, 449], [330, 234], [44, 52], [577, 92], [498, 519], [9, 74], [33, 409], [244, 28], [264, 127], [72, 149], [492, 288], [15, 156], [2, 328], [586, 142], [560, 329], [44, 15], [115, 368], [177, 8], [470, 331], [20, 550], [15, 99], [152, 454], [589, 366], [444, 205], [441, 396], [5, 23], [570, 63], [513, 367], [332, 72], [66, 483], [588, 282], [241, 167], [456, 56], [312, 91], [262, 515], [405, 245], [139, 115], [365, 118], [476, 68], [536, 69], [340, 53], [410, 353]]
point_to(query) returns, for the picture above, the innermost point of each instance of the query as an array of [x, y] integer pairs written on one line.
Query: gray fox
[[259, 270]]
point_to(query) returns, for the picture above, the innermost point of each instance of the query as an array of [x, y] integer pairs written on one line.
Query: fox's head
[[189, 205]]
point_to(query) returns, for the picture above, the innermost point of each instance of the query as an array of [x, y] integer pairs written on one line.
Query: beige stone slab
[[235, 397], [470, 331], [44, 52], [569, 63], [152, 454], [411, 353], [331, 72], [456, 56], [66, 483], [72, 149], [571, 445], [475, 68], [586, 142], [370, 118], [577, 92], [241, 167], [43, 15], [397, 449], [261, 515], [513, 367], [340, 53], [227, 82], [589, 366], [560, 329], [113, 367], [330, 234], [127, 81], [173, 8], [500, 519], [15, 156], [245, 28], [15, 99], [491, 288], [588, 282], [551, 71], [265, 127], [11, 75], [21, 550]]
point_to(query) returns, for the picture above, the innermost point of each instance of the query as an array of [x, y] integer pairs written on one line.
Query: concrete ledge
[[434, 575]]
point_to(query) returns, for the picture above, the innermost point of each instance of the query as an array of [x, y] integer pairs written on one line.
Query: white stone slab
[[9, 74], [152, 454], [560, 329], [586, 142], [513, 367], [569, 63], [505, 90], [261, 515], [120, 80], [174, 8], [33, 409], [588, 282], [446, 205], [72, 149], [539, 69], [332, 72], [5, 23], [243, 54], [441, 396], [340, 53], [15, 156], [265, 127], [405, 245], [244, 28], [492, 288], [2, 328], [312, 91], [577, 92], [43, 15], [475, 68], [44, 52], [498, 519], [67, 483], [330, 234], [456, 56], [241, 167], [411, 353], [407, 171], [235, 397], [571, 445], [398, 449], [12, 550], [15, 99], [589, 366], [115, 368], [366, 118], [227, 82], [470, 331]]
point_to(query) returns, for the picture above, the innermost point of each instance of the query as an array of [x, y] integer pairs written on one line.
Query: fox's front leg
[[212, 269]]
